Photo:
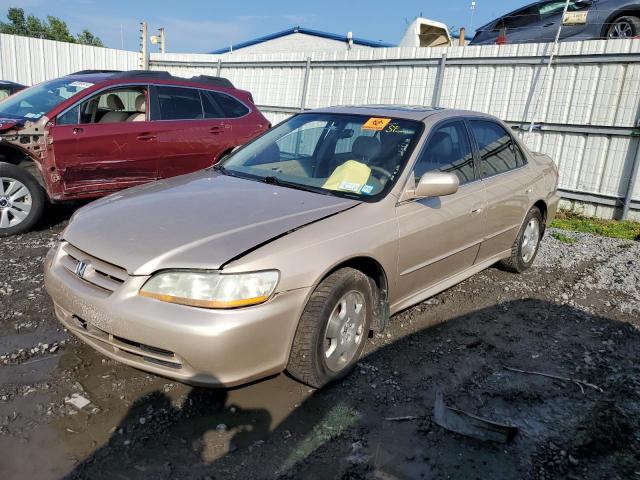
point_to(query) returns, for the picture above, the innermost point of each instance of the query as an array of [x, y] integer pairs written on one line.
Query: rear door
[[506, 182], [441, 236], [94, 156], [187, 141]]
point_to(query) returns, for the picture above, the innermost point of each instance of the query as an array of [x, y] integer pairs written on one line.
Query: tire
[[316, 357], [22, 200], [523, 252], [624, 27]]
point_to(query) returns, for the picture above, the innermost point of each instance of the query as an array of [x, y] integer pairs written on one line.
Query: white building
[[299, 39]]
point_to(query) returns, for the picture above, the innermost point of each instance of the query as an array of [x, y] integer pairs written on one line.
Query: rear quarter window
[[220, 105]]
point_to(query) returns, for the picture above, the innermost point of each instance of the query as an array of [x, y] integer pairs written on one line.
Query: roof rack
[[87, 72], [143, 73], [217, 81]]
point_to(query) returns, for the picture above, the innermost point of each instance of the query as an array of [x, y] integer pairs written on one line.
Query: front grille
[[98, 273], [127, 348]]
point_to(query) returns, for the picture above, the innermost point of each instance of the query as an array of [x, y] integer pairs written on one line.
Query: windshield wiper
[[272, 180]]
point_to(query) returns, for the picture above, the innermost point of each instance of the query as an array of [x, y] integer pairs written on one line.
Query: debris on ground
[[470, 425]]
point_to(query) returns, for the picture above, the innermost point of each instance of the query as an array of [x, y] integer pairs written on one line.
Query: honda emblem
[[81, 268]]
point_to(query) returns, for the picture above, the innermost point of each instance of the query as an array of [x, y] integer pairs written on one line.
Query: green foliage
[[561, 237], [607, 228], [50, 29]]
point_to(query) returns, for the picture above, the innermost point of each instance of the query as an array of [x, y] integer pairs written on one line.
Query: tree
[[87, 38], [52, 28]]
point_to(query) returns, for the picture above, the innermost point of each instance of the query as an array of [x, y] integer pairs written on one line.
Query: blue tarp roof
[[307, 31]]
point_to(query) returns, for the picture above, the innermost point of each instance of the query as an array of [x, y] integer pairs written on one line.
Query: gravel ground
[[67, 411]]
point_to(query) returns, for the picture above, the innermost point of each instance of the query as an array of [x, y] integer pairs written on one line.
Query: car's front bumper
[[192, 345]]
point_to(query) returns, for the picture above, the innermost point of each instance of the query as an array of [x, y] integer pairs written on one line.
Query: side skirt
[[421, 296]]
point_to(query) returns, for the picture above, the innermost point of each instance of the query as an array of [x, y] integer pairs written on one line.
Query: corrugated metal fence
[[33, 60], [586, 111]]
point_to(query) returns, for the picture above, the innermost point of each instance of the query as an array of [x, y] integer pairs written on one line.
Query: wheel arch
[[15, 156], [379, 283], [542, 206], [615, 15]]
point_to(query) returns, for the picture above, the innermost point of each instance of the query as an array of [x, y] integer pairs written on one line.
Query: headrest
[[141, 103], [441, 145], [366, 147], [114, 102]]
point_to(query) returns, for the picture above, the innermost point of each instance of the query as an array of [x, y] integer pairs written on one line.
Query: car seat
[[141, 109], [117, 113]]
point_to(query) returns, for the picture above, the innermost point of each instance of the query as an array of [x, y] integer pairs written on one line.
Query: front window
[[34, 102], [343, 155], [110, 106]]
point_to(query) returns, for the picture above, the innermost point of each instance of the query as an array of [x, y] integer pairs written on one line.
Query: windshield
[[344, 155], [34, 102]]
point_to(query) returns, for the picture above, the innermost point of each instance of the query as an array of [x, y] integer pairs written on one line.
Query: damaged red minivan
[[92, 133]]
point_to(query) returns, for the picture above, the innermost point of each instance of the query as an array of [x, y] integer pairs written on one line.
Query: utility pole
[[144, 50], [162, 44]]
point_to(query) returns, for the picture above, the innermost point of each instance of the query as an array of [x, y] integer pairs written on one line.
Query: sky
[[202, 26]]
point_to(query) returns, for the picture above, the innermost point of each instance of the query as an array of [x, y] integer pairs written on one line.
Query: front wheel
[[333, 329], [624, 27], [22, 200], [525, 247]]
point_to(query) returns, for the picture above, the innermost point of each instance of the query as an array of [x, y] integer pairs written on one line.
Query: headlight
[[207, 289]]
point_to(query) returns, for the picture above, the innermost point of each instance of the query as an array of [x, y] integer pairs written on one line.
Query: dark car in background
[[93, 133], [8, 88], [585, 20]]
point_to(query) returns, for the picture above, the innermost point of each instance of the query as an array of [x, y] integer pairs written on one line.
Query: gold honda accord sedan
[[285, 255]]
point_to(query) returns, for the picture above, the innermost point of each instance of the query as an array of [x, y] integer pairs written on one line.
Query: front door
[[441, 236], [99, 148]]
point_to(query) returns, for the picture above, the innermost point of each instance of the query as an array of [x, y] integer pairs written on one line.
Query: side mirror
[[436, 184]]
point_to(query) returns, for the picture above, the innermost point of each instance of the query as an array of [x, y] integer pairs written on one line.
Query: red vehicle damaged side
[[118, 130]]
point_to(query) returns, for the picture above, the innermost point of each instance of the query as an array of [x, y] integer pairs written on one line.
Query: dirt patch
[[573, 315]]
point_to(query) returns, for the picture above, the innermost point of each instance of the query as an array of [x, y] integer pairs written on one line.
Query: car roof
[[408, 112], [150, 76], [9, 82]]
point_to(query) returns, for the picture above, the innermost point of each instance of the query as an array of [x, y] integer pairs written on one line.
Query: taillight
[[502, 37]]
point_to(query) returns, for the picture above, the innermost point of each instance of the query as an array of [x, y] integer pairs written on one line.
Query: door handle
[[77, 130], [145, 137], [476, 210], [550, 24], [215, 130], [528, 190]]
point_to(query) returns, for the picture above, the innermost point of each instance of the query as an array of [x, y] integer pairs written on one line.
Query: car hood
[[9, 123], [201, 220]]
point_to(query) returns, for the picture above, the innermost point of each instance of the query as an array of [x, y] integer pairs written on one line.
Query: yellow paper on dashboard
[[351, 176]]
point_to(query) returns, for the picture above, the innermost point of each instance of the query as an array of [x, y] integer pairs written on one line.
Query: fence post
[[438, 88], [305, 85], [632, 182], [219, 67]]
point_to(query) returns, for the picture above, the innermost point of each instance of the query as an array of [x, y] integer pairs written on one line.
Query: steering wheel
[[383, 171]]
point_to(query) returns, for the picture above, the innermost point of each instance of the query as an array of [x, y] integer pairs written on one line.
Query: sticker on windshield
[[375, 123], [349, 186], [80, 84], [366, 189]]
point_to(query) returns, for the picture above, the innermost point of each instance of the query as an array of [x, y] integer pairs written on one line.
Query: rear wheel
[[624, 27], [525, 247], [333, 329], [22, 200]]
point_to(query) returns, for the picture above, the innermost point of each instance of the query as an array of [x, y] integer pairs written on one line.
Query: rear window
[[177, 103], [220, 105]]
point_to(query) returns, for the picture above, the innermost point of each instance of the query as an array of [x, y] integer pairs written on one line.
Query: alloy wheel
[[15, 202], [530, 240], [621, 30], [345, 330]]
